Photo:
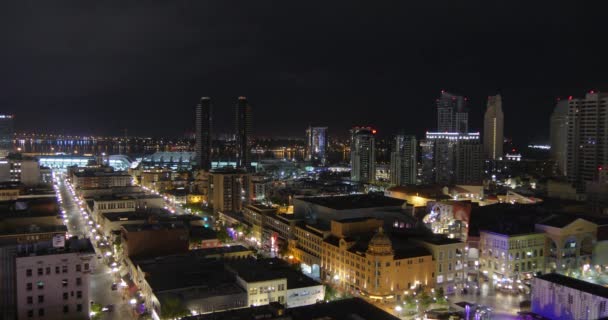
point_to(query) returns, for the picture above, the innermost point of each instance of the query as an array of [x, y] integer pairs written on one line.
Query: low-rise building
[[555, 296], [198, 285], [272, 280], [154, 239], [570, 241], [449, 260], [100, 178], [376, 267], [510, 257], [52, 279]]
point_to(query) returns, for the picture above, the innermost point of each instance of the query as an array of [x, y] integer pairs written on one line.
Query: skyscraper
[[452, 157], [452, 113], [6, 135], [587, 149], [243, 130], [316, 144], [403, 160], [469, 162], [558, 135], [362, 155], [493, 128], [203, 133]]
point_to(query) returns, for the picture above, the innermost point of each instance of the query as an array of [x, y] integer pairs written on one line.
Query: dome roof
[[380, 243]]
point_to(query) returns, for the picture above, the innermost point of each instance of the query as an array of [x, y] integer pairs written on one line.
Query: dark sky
[[97, 67]]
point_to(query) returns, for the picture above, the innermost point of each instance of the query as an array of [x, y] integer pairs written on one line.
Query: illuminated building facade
[[375, 268], [363, 155], [449, 261], [570, 242], [493, 128], [316, 144], [559, 135], [555, 296], [203, 133], [587, 138], [508, 258], [243, 131], [404, 162]]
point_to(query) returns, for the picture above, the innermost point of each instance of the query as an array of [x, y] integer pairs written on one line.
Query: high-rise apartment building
[[451, 157], [203, 133], [229, 189], [493, 128], [452, 113], [243, 131], [469, 162], [6, 135], [587, 150], [362, 155], [316, 144], [559, 135], [403, 160]]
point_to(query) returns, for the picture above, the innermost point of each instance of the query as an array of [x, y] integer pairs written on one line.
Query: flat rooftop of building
[[257, 270], [153, 226], [425, 191], [127, 215], [260, 206], [346, 309], [33, 229], [29, 208], [355, 201], [72, 245], [580, 285], [422, 234], [202, 233], [113, 197], [92, 174], [219, 250], [183, 271], [228, 170]]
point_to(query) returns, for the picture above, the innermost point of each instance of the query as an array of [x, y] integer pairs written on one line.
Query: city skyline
[[316, 70]]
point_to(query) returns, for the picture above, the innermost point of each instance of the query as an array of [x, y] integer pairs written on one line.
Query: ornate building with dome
[[369, 264]]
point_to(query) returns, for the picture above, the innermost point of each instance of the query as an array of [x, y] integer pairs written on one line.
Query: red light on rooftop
[[591, 91], [569, 97], [374, 131], [512, 150]]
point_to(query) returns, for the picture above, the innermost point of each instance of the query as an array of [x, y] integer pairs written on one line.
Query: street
[[102, 276]]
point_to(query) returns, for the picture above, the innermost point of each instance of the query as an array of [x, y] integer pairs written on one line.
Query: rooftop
[[577, 284], [126, 216], [346, 309], [153, 226], [72, 245], [558, 220], [356, 201], [183, 271], [425, 191], [252, 270]]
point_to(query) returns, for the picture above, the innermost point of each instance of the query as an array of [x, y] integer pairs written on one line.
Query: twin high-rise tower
[[242, 130], [203, 123]]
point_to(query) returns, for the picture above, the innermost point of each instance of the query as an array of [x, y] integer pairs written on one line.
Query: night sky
[[97, 67]]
